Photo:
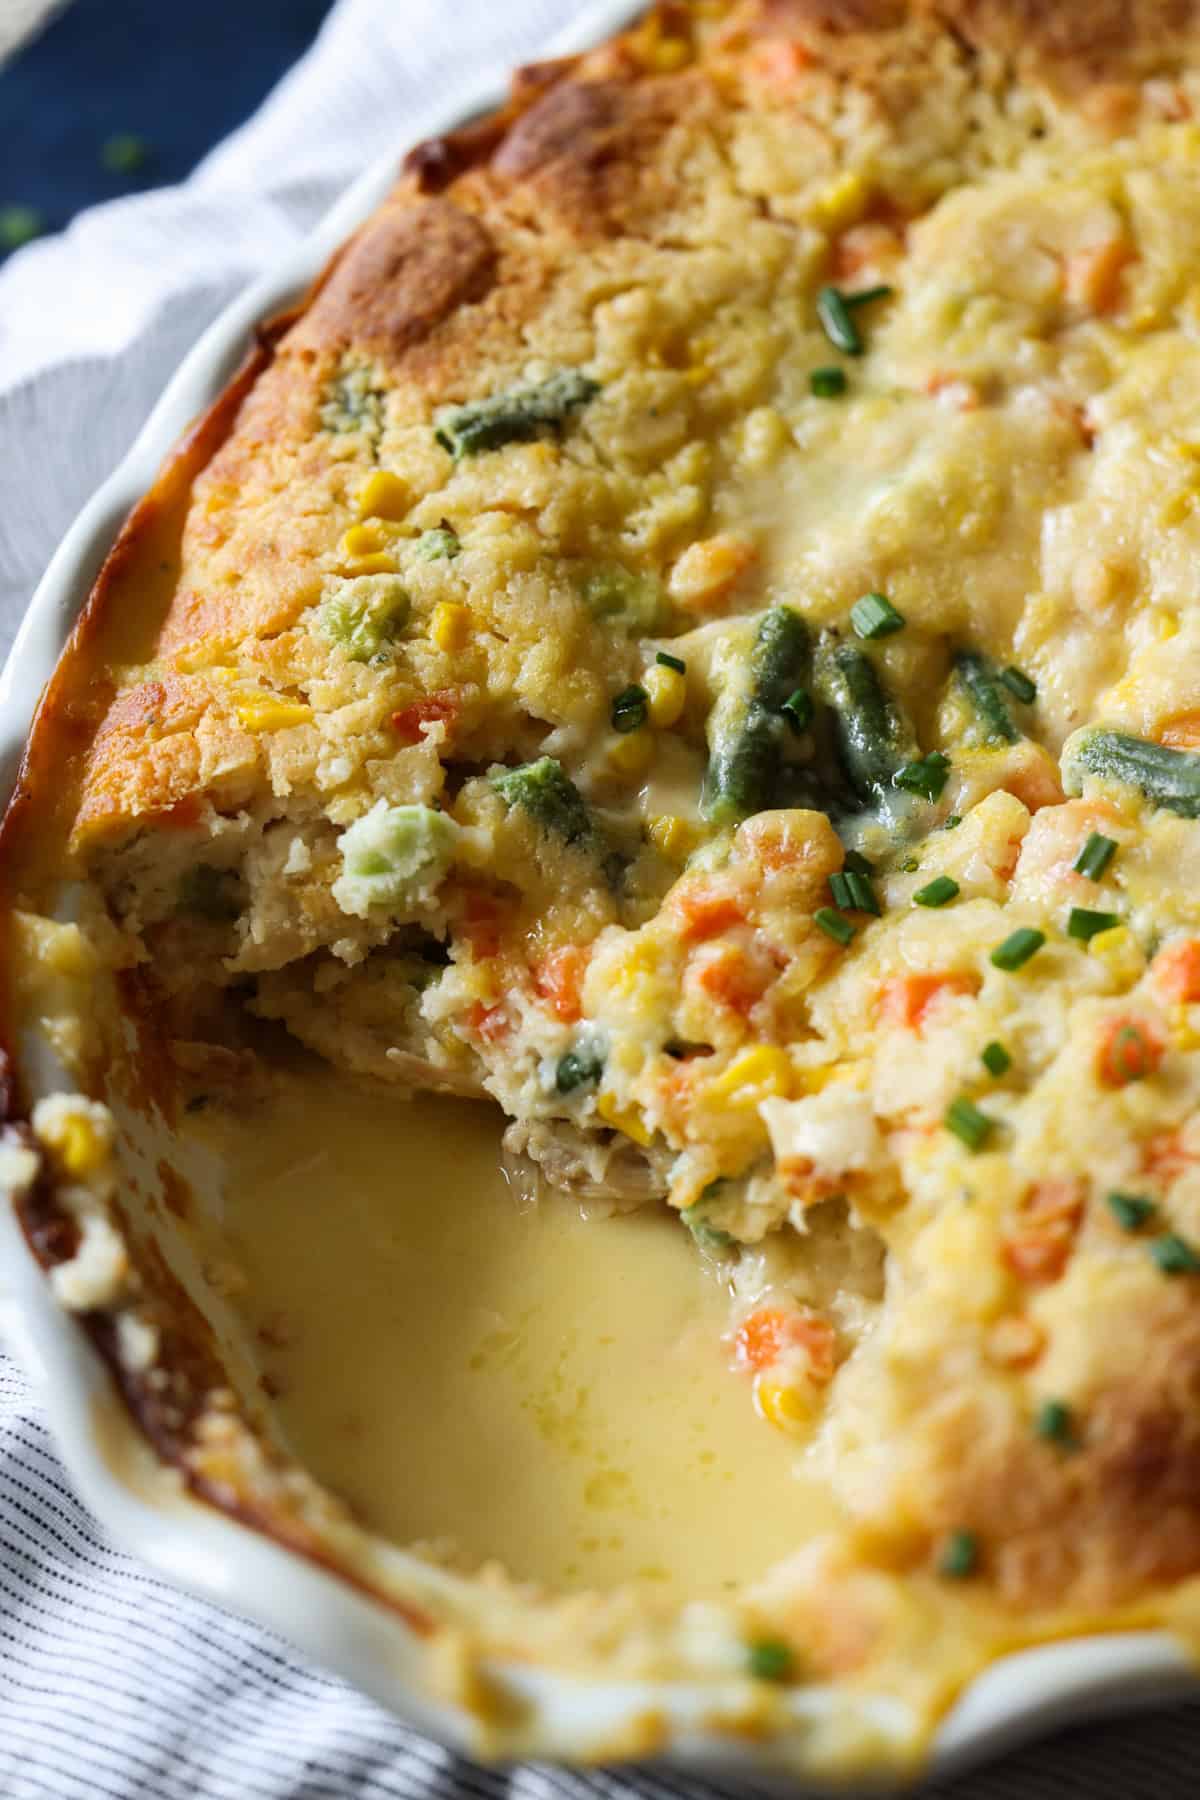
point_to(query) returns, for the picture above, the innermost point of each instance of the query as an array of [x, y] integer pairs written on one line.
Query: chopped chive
[[967, 1123], [959, 1556], [995, 1059], [770, 1659], [827, 384], [19, 225], [630, 708], [837, 323], [1084, 924], [874, 616], [797, 709], [857, 863], [864, 296], [839, 887], [910, 865], [1131, 1211], [1053, 1421], [1017, 949], [125, 153], [938, 892], [1095, 856], [865, 898], [952, 821], [665, 660], [926, 777], [834, 925], [1174, 1255], [1019, 685]]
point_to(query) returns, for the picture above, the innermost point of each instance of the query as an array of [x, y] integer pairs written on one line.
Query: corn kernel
[[1185, 1027], [1118, 949], [272, 714], [635, 972], [843, 202], [78, 1142], [708, 568], [379, 564], [755, 1075], [1175, 510], [363, 540], [450, 626], [815, 1080], [631, 754], [627, 1119], [782, 1403], [675, 837], [1166, 624], [382, 496], [666, 690]]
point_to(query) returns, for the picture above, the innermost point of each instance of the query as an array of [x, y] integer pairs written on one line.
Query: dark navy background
[[178, 74]]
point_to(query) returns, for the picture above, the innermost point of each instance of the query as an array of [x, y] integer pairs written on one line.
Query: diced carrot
[[1130, 1049], [491, 1023], [1177, 970], [906, 999], [481, 923], [409, 722], [805, 1184], [1016, 1341], [1092, 276], [766, 1335], [780, 62], [963, 394], [1182, 732], [558, 978], [1166, 1156], [1039, 1256], [868, 245], [1056, 1201], [733, 979], [705, 912]]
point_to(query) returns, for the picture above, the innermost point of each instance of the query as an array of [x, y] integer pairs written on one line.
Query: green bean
[[746, 726], [872, 737], [1168, 778], [515, 416], [981, 685]]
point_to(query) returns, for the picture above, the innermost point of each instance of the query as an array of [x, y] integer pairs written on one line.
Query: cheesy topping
[[693, 636]]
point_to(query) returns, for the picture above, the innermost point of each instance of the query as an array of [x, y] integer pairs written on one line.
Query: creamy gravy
[[458, 1362]]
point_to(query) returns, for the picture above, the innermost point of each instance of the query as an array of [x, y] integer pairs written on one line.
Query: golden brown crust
[[405, 272]]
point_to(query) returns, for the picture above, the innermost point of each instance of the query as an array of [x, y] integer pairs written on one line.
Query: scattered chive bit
[[938, 892], [874, 616], [797, 709], [1131, 1211], [926, 777], [837, 323], [770, 1659], [834, 925], [1017, 948], [125, 153], [952, 821], [19, 225], [995, 1059], [856, 863], [1084, 924], [853, 892], [959, 1556], [910, 865], [630, 708], [1095, 856], [1175, 1256], [576, 1068], [665, 660], [1053, 1421], [827, 384], [1019, 685], [864, 296], [968, 1124]]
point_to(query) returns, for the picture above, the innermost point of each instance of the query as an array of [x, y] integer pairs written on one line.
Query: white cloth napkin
[[113, 1686]]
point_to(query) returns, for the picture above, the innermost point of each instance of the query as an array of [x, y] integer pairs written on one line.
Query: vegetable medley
[[694, 636]]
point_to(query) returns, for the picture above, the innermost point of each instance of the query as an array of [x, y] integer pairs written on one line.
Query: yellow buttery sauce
[[459, 1362]]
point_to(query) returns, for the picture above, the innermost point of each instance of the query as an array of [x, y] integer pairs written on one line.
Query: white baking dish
[[143, 1506]]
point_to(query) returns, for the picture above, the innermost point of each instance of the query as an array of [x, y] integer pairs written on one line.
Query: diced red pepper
[[409, 722]]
